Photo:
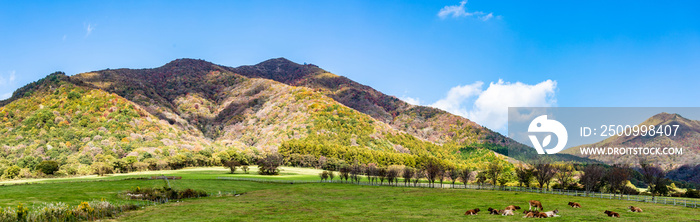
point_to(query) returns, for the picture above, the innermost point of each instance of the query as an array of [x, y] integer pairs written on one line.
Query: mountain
[[687, 137], [186, 112], [424, 122]]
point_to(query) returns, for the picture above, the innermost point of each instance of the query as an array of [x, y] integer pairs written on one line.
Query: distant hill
[[687, 137]]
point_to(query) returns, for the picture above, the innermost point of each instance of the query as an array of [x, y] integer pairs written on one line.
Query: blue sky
[[471, 58]]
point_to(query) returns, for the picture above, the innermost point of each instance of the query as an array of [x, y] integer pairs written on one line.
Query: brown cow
[[541, 215], [611, 214], [574, 205], [536, 204], [635, 209], [493, 211], [512, 207], [472, 212], [530, 214]]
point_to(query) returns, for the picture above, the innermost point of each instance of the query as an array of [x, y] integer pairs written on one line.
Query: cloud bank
[[489, 107]]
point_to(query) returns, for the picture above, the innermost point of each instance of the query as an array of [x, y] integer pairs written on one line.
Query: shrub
[[11, 172], [101, 168], [268, 165], [692, 193], [48, 167], [74, 95], [92, 210], [163, 194]]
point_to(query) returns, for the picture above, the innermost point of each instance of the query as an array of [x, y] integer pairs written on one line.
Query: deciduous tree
[[544, 172], [407, 175], [465, 175], [654, 177]]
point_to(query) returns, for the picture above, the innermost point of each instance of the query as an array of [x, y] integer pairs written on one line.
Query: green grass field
[[295, 202]]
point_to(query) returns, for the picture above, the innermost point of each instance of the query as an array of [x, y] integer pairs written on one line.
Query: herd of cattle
[[529, 213]]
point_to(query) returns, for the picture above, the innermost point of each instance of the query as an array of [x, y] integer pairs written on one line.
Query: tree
[[355, 171], [391, 174], [232, 159], [504, 178], [465, 175], [432, 170], [524, 175], [417, 176], [232, 164], [494, 171], [617, 178], [442, 174], [654, 177], [565, 174], [268, 165], [591, 178], [47, 167], [344, 172], [481, 178], [323, 175], [544, 172], [371, 172], [245, 169], [381, 173], [453, 174], [407, 175], [331, 175]]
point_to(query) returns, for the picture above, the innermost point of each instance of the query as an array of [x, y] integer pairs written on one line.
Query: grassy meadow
[[318, 201]]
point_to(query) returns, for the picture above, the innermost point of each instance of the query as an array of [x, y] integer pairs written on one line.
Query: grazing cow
[[472, 212], [612, 214], [513, 208], [552, 213], [507, 213], [536, 204], [574, 205], [530, 214], [635, 209]]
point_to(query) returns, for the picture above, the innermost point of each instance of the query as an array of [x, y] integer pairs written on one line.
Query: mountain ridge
[[208, 109]]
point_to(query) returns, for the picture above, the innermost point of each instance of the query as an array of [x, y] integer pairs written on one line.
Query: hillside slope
[[423, 122], [57, 118]]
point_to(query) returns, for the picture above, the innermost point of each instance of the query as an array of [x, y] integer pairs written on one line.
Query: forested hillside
[[195, 113]]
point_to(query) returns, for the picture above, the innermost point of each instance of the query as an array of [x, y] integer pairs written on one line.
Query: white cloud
[[7, 83], [490, 107], [411, 100], [454, 10], [460, 10], [457, 97], [486, 17], [88, 29]]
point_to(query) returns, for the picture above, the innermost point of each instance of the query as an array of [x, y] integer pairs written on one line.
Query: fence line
[[638, 198]]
